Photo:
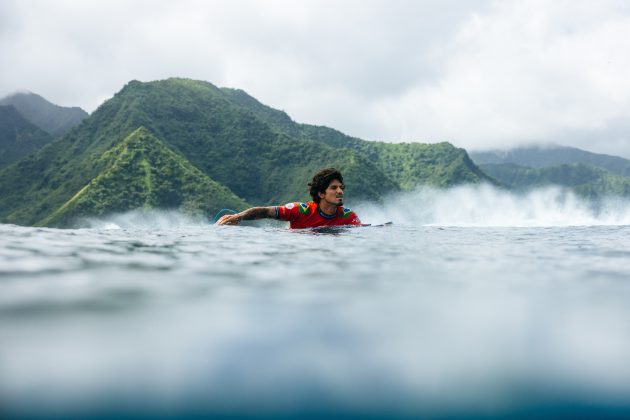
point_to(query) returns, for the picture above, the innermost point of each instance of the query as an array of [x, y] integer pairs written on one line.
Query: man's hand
[[229, 219], [249, 214]]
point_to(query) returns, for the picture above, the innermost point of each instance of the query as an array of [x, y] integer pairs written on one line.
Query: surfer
[[326, 209]]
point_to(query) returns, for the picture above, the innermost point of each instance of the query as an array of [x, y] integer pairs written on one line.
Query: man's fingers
[[221, 220], [228, 219]]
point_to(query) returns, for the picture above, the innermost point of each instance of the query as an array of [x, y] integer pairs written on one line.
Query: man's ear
[[321, 195]]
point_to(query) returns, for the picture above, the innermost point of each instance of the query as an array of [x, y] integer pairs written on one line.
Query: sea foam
[[488, 206]]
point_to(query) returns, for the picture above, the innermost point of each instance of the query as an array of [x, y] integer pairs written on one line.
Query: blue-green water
[[173, 317]]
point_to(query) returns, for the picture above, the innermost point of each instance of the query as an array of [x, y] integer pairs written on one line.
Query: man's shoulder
[[303, 208], [348, 217], [345, 212]]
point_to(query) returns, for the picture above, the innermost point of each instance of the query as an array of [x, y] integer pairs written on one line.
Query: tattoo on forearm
[[257, 213]]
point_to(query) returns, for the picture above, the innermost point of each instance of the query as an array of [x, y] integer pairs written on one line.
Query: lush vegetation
[[141, 172], [588, 174], [256, 152], [542, 157], [585, 180], [18, 137], [54, 119], [405, 165]]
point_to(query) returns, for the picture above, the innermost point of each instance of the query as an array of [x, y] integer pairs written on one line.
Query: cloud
[[525, 71], [478, 74]]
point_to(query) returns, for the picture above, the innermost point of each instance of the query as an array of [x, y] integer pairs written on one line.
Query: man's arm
[[249, 214]]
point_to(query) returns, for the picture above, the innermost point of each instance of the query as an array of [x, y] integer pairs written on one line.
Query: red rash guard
[[308, 215]]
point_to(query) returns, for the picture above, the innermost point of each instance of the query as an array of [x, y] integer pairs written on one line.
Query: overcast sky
[[480, 74]]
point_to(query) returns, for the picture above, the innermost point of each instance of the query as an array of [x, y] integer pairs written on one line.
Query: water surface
[[391, 322]]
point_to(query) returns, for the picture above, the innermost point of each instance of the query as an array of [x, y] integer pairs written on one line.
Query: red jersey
[[309, 215]]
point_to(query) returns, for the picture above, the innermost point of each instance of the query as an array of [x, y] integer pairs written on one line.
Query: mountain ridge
[[258, 153], [54, 119], [540, 157], [585, 180], [18, 137], [168, 181]]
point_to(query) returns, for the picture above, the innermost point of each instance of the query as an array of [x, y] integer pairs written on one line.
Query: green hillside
[[406, 164], [18, 137], [584, 180], [541, 157], [141, 172], [411, 164], [54, 119], [230, 143], [255, 151]]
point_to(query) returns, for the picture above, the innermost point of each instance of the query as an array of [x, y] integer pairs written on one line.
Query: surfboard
[[341, 228]]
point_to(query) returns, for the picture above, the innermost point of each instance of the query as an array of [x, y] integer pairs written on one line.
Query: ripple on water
[[475, 318]]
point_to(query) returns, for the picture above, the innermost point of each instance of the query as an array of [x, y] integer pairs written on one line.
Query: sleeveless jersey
[[308, 215]]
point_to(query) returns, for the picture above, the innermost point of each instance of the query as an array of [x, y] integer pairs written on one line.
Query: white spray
[[144, 219], [485, 205]]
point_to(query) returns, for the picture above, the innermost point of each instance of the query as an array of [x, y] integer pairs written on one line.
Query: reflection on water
[[398, 321]]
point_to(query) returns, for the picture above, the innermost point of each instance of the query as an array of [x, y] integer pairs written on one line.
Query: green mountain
[[54, 119], [257, 152], [406, 164], [541, 157], [141, 172], [585, 180], [18, 137]]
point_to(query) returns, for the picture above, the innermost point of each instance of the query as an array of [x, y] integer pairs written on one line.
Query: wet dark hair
[[322, 180]]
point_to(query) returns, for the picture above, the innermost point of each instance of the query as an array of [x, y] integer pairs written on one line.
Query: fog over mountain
[[551, 155], [187, 144], [18, 137], [481, 75], [54, 119]]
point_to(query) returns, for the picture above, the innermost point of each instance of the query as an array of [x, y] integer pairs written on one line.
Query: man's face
[[334, 193]]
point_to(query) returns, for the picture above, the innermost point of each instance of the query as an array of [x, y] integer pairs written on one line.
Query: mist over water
[[488, 206], [147, 219], [475, 302], [466, 206]]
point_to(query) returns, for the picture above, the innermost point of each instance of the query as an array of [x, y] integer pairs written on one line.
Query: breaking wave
[[485, 205], [471, 205], [144, 219]]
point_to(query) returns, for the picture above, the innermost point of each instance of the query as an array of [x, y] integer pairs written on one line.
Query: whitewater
[[475, 302]]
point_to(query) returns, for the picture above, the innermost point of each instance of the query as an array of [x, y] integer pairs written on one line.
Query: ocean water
[[474, 303]]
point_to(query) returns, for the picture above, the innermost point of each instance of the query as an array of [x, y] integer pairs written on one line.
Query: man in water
[[326, 209]]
